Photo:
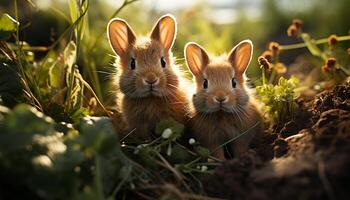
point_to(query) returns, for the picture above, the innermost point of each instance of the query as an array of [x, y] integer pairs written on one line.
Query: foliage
[[8, 25], [41, 150], [279, 99], [56, 139], [86, 158]]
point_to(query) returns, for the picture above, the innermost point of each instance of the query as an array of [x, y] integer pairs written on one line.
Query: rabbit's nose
[[220, 99], [151, 79], [152, 82]]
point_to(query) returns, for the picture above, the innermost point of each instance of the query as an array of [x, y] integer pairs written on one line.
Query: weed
[[278, 93]]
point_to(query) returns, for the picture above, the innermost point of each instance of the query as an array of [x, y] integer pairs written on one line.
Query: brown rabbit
[[148, 79], [223, 105]]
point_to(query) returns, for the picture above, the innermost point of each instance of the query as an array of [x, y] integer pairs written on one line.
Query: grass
[[61, 143]]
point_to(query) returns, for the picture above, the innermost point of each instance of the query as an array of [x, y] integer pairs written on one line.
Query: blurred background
[[215, 24]]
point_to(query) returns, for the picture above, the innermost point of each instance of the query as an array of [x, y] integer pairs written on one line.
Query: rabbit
[[223, 106], [149, 81]]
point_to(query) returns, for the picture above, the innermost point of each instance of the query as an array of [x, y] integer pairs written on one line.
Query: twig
[[236, 137], [320, 41], [86, 84], [34, 100], [194, 154], [127, 135], [172, 169]]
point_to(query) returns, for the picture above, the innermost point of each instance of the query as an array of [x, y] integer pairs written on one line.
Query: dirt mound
[[311, 157]]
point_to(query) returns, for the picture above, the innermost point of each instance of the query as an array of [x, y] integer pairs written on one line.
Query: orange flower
[[280, 68], [331, 62], [297, 23], [274, 47], [332, 40], [292, 30], [348, 50], [330, 65], [325, 69], [267, 55], [264, 63]]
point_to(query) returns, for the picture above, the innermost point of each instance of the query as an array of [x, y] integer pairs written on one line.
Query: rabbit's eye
[[233, 81], [133, 63], [205, 84], [162, 62]]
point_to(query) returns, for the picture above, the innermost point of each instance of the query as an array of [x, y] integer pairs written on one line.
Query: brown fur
[[211, 123], [142, 105]]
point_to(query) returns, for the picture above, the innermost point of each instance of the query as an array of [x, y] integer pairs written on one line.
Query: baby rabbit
[[147, 76], [223, 106]]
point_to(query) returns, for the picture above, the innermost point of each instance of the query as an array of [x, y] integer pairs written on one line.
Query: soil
[[307, 158]]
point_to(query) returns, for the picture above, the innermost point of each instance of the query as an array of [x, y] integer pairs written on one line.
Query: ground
[[307, 158]]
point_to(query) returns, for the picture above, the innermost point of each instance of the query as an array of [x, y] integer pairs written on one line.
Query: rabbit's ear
[[120, 36], [165, 31], [196, 58], [240, 56]]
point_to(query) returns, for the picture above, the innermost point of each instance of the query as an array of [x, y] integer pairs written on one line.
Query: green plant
[[279, 99], [278, 93], [87, 158], [336, 66]]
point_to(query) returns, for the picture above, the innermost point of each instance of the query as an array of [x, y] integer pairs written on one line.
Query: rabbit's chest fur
[[219, 127], [143, 114]]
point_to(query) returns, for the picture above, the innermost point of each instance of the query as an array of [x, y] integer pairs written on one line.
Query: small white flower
[[167, 133], [191, 141], [69, 125], [42, 160], [204, 168]]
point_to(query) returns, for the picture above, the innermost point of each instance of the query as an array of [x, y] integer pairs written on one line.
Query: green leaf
[[27, 119], [69, 54], [202, 152], [180, 155], [176, 128], [8, 25], [21, 125], [56, 75], [63, 66], [73, 7], [76, 10], [98, 135]]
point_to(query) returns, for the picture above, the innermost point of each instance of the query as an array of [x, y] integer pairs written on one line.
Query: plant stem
[[33, 99], [125, 3], [320, 41], [92, 72], [193, 161], [272, 77], [29, 48], [236, 136], [263, 76], [346, 72], [86, 84]]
